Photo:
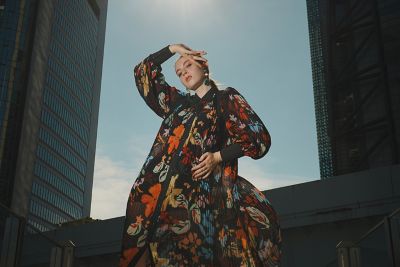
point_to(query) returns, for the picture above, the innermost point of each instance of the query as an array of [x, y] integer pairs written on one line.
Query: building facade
[[356, 80], [316, 24], [50, 90]]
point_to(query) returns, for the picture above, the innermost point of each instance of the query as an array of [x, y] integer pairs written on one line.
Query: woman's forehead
[[182, 61]]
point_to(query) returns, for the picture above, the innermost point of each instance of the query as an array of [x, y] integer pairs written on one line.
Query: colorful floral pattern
[[222, 220]]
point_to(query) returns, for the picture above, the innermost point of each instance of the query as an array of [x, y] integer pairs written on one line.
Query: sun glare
[[186, 9]]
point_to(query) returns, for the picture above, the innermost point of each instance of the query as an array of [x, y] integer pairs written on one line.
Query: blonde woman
[[188, 206]]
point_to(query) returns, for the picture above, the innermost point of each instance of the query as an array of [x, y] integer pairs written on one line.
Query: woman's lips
[[188, 78]]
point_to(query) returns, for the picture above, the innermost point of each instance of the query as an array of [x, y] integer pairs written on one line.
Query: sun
[[187, 9]]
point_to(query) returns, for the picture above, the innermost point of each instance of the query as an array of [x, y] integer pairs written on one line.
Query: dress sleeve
[[156, 92], [247, 134], [231, 152]]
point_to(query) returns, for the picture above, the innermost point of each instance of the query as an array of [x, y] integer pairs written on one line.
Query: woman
[[188, 206]]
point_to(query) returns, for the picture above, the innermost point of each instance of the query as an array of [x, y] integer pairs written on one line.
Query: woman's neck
[[202, 90]]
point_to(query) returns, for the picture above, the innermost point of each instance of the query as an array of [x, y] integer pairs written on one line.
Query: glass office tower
[[317, 32], [50, 82], [356, 75]]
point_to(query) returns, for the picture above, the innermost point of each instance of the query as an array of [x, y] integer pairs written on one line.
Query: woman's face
[[189, 72]]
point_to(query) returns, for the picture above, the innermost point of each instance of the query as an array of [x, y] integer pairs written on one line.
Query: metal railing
[[379, 247], [23, 245]]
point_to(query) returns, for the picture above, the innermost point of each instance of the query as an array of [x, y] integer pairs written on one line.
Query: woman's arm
[[151, 84], [162, 55], [247, 134]]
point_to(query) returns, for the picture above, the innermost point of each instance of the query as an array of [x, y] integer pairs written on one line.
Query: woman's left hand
[[208, 161]]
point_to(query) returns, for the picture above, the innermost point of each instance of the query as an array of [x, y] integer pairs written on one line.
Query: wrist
[[172, 48], [231, 152], [217, 156]]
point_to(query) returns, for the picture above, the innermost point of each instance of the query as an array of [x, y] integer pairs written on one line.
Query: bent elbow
[[262, 151], [138, 69], [267, 141], [263, 146]]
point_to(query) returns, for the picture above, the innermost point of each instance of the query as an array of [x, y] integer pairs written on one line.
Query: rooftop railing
[[380, 246]]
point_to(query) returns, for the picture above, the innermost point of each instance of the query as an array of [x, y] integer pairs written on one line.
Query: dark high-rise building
[[50, 74], [356, 80]]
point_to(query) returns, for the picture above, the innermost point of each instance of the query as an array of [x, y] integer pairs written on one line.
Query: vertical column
[[12, 242]]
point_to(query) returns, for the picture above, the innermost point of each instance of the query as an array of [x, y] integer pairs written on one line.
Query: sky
[[259, 47]]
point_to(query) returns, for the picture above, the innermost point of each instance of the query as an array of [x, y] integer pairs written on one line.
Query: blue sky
[[259, 47]]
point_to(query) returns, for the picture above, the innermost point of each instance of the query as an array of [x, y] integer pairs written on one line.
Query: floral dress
[[220, 220]]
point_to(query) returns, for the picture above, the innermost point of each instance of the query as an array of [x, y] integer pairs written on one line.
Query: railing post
[[343, 254], [395, 229], [348, 254], [68, 254], [55, 257], [12, 242], [63, 256], [355, 257], [391, 239]]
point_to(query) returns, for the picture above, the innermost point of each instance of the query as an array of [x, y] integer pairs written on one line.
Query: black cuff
[[231, 152], [161, 56]]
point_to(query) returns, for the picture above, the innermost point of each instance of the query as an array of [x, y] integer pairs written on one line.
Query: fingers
[[200, 173], [195, 53], [204, 168], [184, 49], [197, 57], [200, 58], [198, 166], [203, 156], [201, 159], [200, 52], [199, 61], [199, 169]]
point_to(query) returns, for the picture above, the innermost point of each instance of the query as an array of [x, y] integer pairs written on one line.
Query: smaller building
[[315, 216]]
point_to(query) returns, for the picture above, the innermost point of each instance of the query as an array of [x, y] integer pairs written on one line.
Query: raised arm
[[156, 92]]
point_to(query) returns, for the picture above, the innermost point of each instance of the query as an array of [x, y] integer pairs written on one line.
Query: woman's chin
[[193, 85], [190, 87]]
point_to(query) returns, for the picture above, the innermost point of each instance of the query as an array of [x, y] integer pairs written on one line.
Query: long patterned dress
[[221, 220]]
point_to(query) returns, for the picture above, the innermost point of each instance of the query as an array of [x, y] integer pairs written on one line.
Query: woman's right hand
[[185, 50]]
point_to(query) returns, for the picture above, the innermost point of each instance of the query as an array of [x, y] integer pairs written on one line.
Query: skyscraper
[[50, 76], [356, 80], [317, 33]]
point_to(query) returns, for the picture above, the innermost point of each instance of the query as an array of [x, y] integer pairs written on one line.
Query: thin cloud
[[111, 186], [263, 179], [113, 179]]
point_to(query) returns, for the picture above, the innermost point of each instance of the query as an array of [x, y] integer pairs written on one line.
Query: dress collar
[[208, 95]]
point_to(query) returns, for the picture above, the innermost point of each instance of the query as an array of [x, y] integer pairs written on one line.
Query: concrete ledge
[[362, 194]]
